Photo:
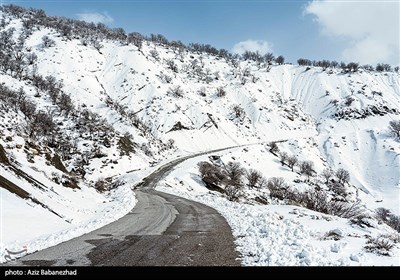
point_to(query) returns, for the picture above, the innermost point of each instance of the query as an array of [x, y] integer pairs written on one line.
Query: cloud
[[252, 45], [96, 17], [369, 29]]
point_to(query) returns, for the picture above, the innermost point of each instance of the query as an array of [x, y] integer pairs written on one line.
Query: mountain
[[84, 108]]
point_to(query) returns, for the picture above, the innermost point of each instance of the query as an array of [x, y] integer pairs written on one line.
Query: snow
[[28, 225], [279, 235], [288, 103]]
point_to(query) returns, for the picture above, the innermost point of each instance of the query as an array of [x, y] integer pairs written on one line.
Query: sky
[[344, 30]]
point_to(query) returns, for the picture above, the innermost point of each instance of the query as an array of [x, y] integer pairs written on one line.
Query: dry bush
[[232, 192], [176, 91], [277, 188], [221, 92], [101, 185], [380, 245], [211, 174]]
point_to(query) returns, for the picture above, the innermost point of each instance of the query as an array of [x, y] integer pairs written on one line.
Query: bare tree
[[352, 66], [280, 60], [327, 174], [27, 108], [96, 44], [394, 127], [268, 58], [307, 168], [343, 176], [65, 103], [171, 65], [277, 187], [283, 157], [42, 124], [234, 172], [292, 161], [304, 62], [253, 177], [136, 39], [273, 147], [383, 67], [31, 58]]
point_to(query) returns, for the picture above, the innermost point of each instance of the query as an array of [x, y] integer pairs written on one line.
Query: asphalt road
[[161, 230]]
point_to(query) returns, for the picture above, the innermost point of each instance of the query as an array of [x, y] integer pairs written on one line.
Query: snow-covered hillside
[[116, 108], [281, 234]]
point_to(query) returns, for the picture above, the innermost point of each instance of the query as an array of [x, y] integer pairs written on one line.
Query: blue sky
[[309, 29]]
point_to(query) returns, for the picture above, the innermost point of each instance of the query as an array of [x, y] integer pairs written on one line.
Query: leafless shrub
[[221, 92], [283, 156], [146, 149], [238, 111], [65, 103], [332, 235], [211, 174], [165, 78], [101, 185], [277, 188], [394, 127], [338, 188], [202, 91], [345, 209], [392, 220], [232, 192], [381, 245], [273, 147], [171, 65], [28, 108], [176, 91], [47, 42], [292, 161], [382, 214], [327, 174], [315, 200], [349, 100], [318, 200], [154, 54]]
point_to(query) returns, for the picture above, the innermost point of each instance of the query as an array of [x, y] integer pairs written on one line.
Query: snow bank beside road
[[117, 204]]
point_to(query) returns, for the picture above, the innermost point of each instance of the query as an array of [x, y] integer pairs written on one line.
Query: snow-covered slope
[[280, 234], [135, 108]]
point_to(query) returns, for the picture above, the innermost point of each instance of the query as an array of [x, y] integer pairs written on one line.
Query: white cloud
[[96, 17], [370, 29], [252, 45]]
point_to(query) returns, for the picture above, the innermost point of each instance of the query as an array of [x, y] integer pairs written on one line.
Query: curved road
[[161, 230]]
